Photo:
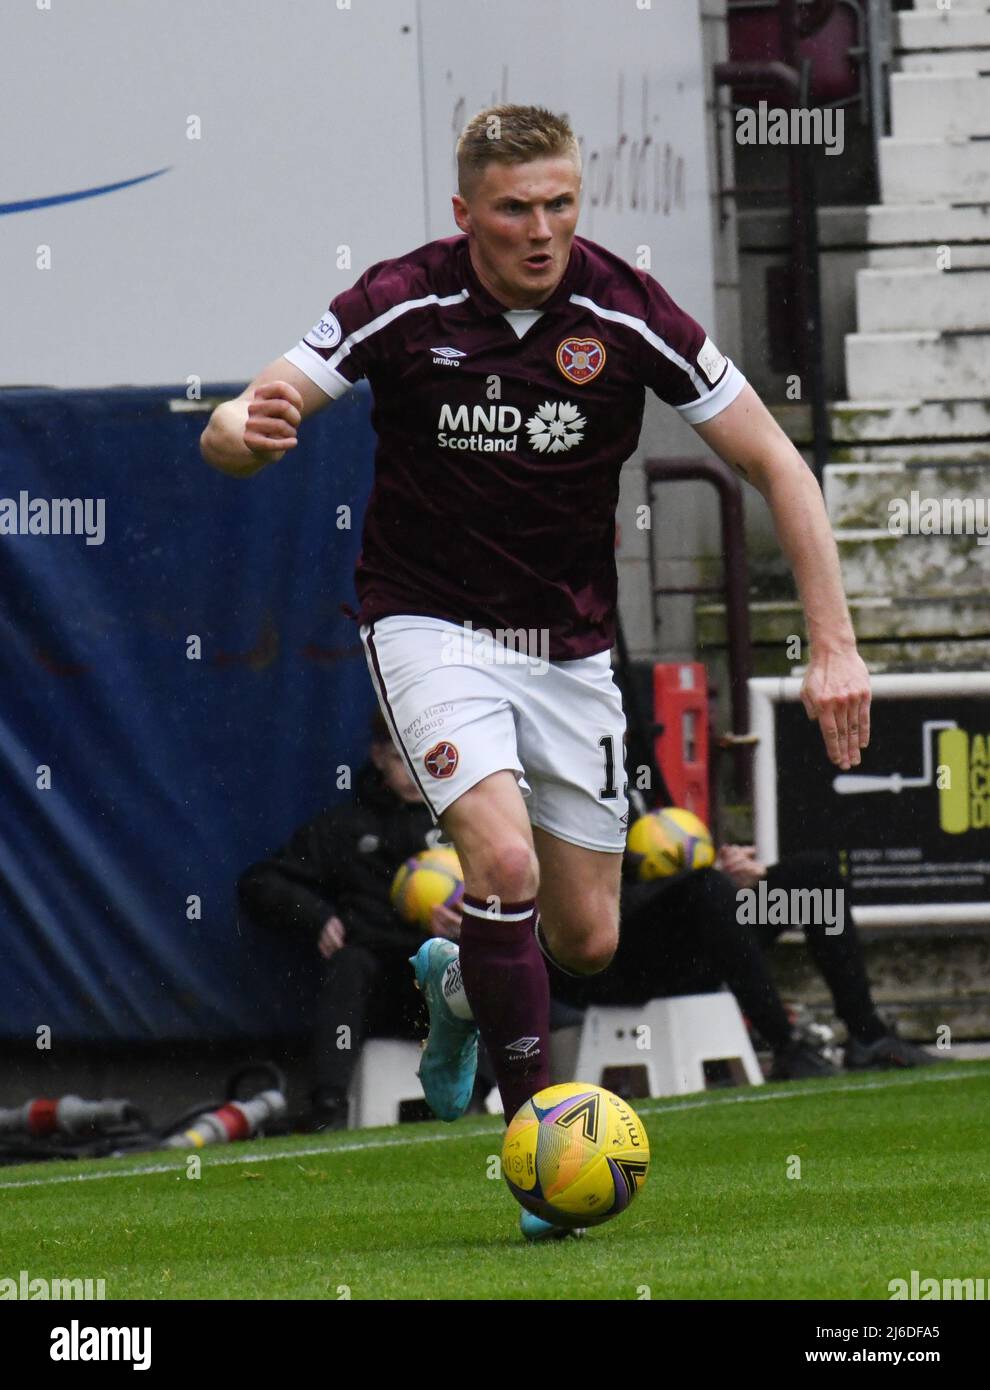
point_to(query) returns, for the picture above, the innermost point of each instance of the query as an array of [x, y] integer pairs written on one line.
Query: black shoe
[[322, 1117], [328, 1110], [798, 1060], [888, 1053]]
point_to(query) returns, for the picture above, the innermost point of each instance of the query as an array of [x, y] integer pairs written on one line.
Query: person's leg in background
[[683, 936], [350, 978], [839, 957], [660, 952]]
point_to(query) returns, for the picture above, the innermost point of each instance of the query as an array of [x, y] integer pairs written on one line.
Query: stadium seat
[[670, 1040], [384, 1077]]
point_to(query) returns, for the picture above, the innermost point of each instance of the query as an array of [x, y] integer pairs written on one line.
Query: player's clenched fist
[[274, 414]]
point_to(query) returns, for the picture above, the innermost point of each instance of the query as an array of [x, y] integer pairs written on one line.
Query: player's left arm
[[836, 688]]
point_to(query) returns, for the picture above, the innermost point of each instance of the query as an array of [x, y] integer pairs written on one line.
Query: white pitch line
[[759, 1095], [225, 1160], [655, 1107]]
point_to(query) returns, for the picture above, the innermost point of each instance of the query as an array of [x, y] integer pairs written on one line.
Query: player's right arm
[[259, 426]]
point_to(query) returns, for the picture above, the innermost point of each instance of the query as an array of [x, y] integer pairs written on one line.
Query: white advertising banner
[[186, 185]]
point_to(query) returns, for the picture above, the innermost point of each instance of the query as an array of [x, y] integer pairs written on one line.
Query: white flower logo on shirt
[[555, 426]]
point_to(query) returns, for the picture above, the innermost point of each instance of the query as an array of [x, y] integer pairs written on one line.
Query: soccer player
[[508, 367]]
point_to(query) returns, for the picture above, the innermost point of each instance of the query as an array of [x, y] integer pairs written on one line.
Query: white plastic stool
[[384, 1077], [671, 1039]]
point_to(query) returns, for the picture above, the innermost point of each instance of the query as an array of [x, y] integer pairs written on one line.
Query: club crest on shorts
[[581, 359], [442, 760]]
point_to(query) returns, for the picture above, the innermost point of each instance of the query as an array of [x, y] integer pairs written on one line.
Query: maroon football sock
[[505, 980]]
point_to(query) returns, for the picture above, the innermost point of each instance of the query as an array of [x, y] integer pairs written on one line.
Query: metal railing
[[793, 78], [734, 590]]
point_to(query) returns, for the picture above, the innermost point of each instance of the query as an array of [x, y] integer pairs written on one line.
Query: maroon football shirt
[[501, 433]]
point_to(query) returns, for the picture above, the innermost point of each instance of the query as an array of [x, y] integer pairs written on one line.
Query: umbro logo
[[524, 1047], [447, 356]]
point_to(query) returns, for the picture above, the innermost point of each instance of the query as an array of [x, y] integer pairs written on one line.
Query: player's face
[[521, 220], [388, 761]]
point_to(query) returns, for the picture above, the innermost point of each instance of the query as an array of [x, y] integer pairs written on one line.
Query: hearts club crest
[[441, 760], [581, 359]]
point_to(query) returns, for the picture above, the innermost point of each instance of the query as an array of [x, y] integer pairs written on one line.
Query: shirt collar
[[489, 306]]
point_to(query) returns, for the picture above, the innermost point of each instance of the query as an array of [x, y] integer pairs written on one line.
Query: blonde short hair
[[512, 135]]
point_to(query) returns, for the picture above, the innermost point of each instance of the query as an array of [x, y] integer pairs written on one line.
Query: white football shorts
[[461, 706]]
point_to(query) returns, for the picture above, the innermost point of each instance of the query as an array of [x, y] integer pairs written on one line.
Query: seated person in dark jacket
[[683, 935], [331, 883]]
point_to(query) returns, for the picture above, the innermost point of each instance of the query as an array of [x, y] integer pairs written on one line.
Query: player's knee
[[591, 957], [508, 868], [589, 953]]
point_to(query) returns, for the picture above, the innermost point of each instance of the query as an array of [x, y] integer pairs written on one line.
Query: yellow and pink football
[[433, 876], [575, 1155], [668, 842]]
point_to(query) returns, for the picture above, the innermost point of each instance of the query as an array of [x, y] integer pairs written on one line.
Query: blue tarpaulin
[[137, 776]]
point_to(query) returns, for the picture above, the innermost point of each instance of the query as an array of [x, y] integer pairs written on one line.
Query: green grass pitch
[[893, 1177]]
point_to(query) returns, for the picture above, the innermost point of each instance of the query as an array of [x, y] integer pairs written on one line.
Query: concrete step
[[939, 106], [876, 564], [945, 654], [917, 365], [922, 453], [883, 422], [859, 495], [931, 28], [947, 4], [958, 256], [923, 622], [949, 60], [921, 979], [934, 171], [901, 299], [902, 224], [933, 236]]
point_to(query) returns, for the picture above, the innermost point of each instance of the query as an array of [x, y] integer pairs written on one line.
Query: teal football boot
[[450, 1058], [535, 1228]]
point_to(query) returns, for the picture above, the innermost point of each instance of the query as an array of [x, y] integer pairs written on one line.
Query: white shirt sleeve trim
[[311, 364], [655, 341], [697, 412], [710, 400], [389, 316], [324, 371]]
